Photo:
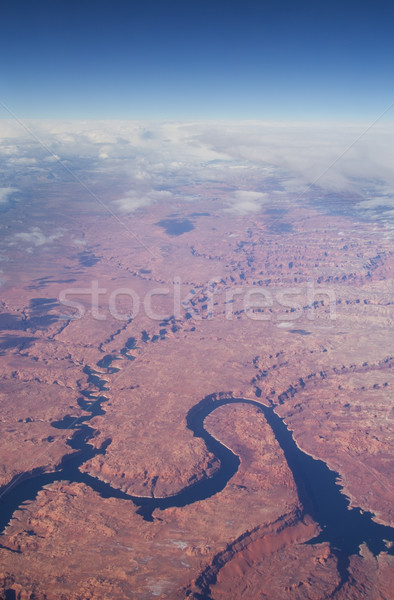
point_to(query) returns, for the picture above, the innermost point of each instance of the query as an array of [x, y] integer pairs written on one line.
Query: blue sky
[[277, 60]]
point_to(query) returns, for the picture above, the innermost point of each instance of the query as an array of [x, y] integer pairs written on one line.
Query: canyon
[[111, 338]]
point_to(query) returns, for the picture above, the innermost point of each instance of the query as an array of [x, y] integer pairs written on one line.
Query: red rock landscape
[[289, 307]]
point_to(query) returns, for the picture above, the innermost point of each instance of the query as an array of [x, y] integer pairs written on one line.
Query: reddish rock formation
[[326, 372]]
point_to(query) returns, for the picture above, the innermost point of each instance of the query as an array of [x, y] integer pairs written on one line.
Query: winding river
[[318, 488]]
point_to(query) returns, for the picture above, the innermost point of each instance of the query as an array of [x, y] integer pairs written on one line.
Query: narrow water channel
[[319, 491]]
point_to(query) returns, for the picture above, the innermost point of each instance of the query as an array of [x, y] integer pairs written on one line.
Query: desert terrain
[[117, 328]]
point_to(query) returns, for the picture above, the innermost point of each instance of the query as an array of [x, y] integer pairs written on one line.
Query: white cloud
[[134, 200], [79, 242], [335, 156], [243, 202], [35, 237], [379, 202], [378, 208], [5, 194], [22, 161]]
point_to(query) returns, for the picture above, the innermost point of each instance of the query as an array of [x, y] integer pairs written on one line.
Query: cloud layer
[[257, 162]]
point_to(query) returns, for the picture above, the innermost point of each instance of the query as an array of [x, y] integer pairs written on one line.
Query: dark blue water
[[176, 226], [319, 492]]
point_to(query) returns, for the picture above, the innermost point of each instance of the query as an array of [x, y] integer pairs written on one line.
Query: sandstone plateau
[[312, 341]]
